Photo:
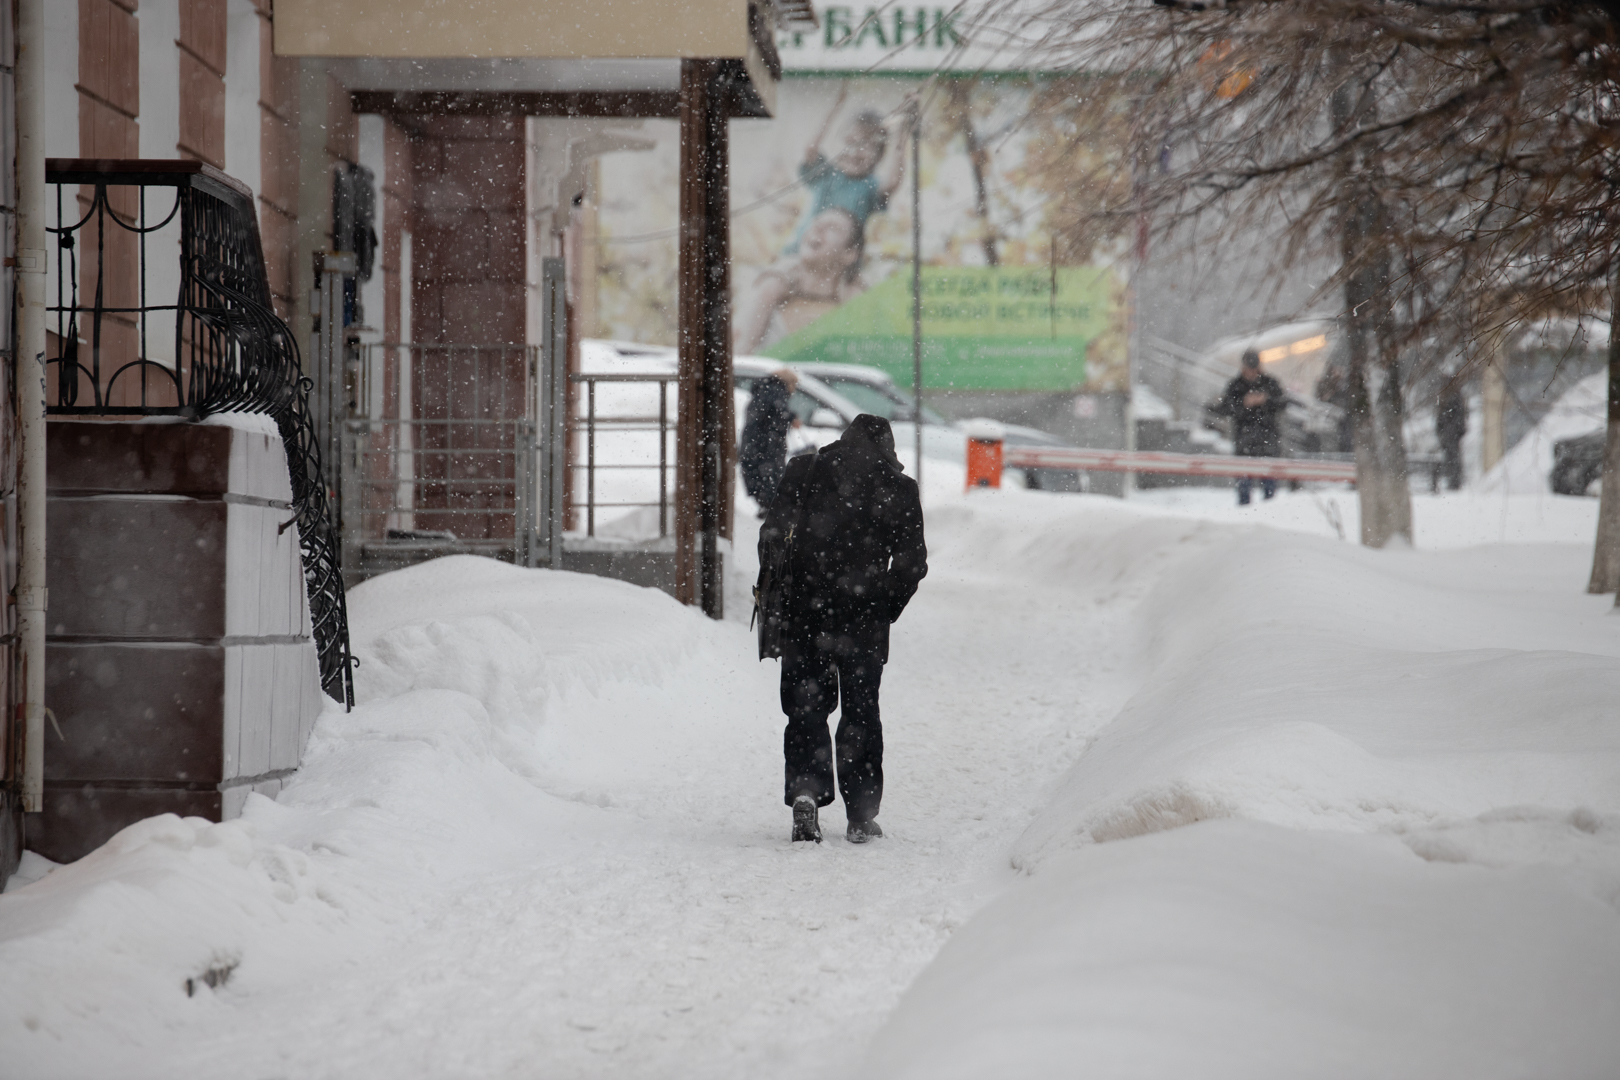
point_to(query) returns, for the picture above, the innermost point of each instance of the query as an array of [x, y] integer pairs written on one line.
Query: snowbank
[[1235, 949], [1527, 467], [1322, 686], [1450, 520], [1362, 818]]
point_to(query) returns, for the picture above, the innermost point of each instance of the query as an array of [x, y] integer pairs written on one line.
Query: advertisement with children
[[822, 213]]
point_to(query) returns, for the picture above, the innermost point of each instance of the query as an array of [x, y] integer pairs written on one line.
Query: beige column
[[1493, 436]]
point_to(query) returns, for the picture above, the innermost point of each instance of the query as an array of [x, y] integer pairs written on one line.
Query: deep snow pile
[[550, 841], [1362, 819]]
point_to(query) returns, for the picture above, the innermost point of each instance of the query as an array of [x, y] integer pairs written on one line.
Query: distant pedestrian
[[1254, 401], [1450, 425], [1333, 388], [762, 448], [840, 553]]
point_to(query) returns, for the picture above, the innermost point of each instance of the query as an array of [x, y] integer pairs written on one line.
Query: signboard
[[822, 211], [914, 38], [983, 328]]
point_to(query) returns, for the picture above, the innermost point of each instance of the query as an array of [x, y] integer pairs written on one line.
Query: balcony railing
[[161, 307]]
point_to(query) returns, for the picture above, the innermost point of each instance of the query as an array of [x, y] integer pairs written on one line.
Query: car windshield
[[802, 406], [889, 402]]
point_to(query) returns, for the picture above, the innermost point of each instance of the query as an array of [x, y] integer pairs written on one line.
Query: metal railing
[[627, 423], [1331, 468], [439, 454], [442, 454], [217, 347]]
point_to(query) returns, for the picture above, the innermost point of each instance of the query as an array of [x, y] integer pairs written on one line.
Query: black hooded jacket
[[856, 561]]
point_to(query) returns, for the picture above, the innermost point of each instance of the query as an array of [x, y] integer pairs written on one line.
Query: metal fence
[[439, 454], [623, 434], [443, 453]]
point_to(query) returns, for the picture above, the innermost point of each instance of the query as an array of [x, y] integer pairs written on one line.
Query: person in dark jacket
[[1450, 425], [1333, 388], [1254, 400], [852, 524], [762, 448]]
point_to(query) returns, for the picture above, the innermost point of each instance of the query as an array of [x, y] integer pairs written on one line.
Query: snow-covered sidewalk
[[551, 842]]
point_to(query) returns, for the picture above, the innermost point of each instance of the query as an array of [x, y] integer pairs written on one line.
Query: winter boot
[[806, 824], [859, 832]]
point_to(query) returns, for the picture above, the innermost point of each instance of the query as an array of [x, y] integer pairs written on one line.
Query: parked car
[[822, 413], [1577, 464], [872, 391], [616, 482], [875, 392]]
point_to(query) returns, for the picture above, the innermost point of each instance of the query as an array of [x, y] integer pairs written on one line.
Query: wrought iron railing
[[213, 344]]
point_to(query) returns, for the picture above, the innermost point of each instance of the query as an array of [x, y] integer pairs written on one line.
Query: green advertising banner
[[983, 328], [822, 222]]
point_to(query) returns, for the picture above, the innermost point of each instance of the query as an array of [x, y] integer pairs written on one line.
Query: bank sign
[[893, 38], [984, 328]]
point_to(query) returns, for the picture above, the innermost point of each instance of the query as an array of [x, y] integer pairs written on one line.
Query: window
[[889, 402], [802, 406], [866, 397]]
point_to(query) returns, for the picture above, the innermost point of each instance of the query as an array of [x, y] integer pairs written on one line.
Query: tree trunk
[[1381, 470], [1606, 552], [1374, 370], [1375, 404], [978, 155]]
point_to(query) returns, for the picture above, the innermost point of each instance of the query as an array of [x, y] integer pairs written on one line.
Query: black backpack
[[775, 582]]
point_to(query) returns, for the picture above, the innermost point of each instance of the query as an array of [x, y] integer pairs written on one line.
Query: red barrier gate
[[1153, 461]]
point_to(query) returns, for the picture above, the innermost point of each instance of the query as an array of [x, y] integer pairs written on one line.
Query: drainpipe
[[30, 361]]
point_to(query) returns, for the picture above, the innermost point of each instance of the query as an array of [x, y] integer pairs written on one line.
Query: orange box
[[983, 463]]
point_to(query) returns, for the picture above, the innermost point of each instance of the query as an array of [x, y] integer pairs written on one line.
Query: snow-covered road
[[550, 842]]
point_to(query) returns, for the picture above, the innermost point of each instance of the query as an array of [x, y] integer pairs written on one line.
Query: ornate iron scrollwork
[[231, 352]]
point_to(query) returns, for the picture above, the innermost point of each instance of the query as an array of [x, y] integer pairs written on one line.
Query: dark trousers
[[1451, 464], [814, 677], [1245, 484]]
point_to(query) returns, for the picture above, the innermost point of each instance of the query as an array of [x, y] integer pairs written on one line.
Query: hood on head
[[874, 432]]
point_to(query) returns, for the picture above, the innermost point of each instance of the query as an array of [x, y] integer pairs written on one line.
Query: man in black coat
[[1254, 400], [852, 524], [762, 448]]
